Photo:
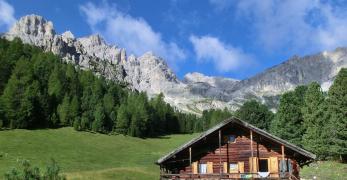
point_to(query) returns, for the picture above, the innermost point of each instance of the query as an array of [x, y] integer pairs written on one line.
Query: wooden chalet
[[234, 149]]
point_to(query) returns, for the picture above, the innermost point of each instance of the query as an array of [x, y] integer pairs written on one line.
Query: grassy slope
[[84, 155], [325, 170]]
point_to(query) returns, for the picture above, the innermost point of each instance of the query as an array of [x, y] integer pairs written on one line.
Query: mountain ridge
[[150, 73]]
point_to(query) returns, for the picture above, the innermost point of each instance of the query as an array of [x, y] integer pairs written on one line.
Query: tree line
[[307, 117], [314, 119], [39, 90]]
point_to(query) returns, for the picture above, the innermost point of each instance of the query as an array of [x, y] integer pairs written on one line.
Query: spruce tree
[[313, 120], [99, 119], [20, 97], [288, 120], [123, 120], [255, 113], [337, 108], [63, 111], [74, 108], [56, 83]]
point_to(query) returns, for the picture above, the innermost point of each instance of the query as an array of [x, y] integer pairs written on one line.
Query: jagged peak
[[33, 25], [68, 34], [94, 39]]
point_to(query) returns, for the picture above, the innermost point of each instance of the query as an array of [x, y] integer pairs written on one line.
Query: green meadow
[[85, 155]]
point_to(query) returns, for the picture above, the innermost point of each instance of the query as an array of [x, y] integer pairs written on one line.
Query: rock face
[[196, 92]]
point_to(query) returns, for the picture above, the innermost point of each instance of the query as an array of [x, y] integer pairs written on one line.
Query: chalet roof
[[291, 146]]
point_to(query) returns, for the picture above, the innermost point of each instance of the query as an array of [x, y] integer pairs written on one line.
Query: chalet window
[[202, 168], [263, 165], [233, 168], [232, 138], [229, 139]]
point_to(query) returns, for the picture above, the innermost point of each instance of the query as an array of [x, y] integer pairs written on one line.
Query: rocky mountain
[[196, 92]]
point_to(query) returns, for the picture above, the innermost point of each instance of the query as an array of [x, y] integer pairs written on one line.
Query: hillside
[[84, 155]]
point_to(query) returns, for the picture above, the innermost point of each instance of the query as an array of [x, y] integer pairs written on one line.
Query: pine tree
[[123, 120], [77, 124], [63, 111], [313, 120], [74, 108], [139, 118], [255, 113], [337, 108], [288, 120], [20, 97], [99, 119], [56, 83]]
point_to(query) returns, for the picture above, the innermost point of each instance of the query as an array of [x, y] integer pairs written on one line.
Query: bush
[[28, 172]]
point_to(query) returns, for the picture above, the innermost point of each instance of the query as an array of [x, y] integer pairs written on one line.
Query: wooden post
[[220, 153], [190, 156], [251, 165], [282, 148]]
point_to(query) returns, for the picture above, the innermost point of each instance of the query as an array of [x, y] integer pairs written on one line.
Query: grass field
[[84, 155], [325, 170]]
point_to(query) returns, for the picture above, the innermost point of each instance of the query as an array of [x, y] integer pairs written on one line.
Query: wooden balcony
[[225, 176]]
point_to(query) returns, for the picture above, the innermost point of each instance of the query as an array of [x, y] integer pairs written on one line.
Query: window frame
[[230, 142], [200, 165], [236, 165]]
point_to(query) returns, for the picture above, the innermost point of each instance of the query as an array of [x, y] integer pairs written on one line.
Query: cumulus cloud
[[305, 25], [224, 57], [6, 15], [135, 34]]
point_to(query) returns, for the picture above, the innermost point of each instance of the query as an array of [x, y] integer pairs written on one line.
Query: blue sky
[[229, 38]]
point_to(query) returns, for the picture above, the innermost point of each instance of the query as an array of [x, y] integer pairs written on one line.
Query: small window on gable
[[202, 168], [231, 138]]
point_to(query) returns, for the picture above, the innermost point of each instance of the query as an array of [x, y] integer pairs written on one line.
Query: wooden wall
[[208, 150]]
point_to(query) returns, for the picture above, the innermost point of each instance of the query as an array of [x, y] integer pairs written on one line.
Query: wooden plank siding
[[214, 150], [234, 153]]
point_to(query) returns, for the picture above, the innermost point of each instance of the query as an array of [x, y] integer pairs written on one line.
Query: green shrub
[[29, 172]]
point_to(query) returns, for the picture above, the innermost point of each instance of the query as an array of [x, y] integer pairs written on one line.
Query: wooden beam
[[282, 149], [251, 163], [220, 151], [251, 132], [190, 156]]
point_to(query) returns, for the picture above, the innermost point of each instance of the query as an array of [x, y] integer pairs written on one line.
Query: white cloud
[[305, 25], [6, 15], [135, 34], [224, 57]]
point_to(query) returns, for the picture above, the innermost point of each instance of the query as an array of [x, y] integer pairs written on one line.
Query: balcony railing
[[226, 176]]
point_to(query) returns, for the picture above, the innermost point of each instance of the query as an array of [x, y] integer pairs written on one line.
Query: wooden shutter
[[273, 165], [195, 167], [241, 167], [209, 167], [253, 164], [225, 167]]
